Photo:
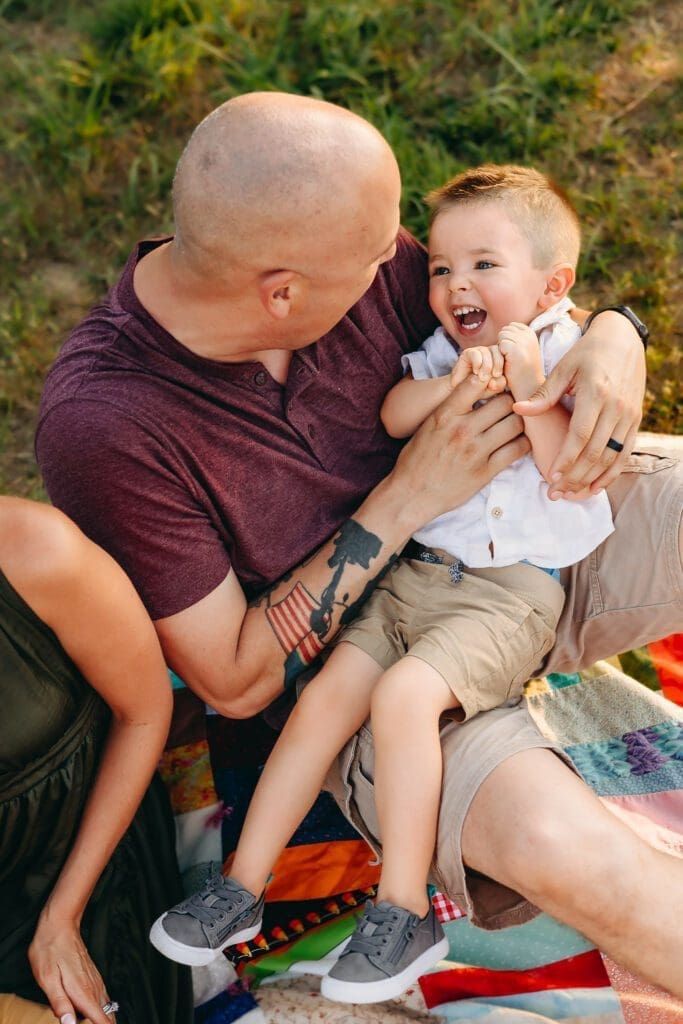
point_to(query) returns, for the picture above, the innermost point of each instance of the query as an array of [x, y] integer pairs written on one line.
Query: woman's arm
[[83, 595]]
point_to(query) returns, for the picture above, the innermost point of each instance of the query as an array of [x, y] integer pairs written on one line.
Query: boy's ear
[[557, 285], [277, 291]]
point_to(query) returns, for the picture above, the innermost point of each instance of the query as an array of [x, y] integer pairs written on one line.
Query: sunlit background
[[99, 97]]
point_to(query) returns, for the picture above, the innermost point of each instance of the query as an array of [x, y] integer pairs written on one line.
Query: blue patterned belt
[[420, 553]]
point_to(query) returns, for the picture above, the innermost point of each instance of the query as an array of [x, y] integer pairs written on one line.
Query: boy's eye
[[439, 271], [483, 265]]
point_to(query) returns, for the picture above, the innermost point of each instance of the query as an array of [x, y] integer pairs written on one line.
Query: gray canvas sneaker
[[386, 954], [197, 930]]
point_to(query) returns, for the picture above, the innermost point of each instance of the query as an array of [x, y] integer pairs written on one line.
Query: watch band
[[641, 328]]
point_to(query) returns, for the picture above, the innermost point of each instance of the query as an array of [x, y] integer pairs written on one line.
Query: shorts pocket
[[648, 462], [539, 640], [359, 807]]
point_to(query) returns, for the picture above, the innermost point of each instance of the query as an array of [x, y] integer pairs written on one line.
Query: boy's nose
[[458, 283]]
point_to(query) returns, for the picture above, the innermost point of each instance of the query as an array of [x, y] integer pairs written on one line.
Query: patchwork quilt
[[625, 734]]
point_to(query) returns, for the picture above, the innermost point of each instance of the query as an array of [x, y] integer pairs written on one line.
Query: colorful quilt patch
[[187, 772], [625, 740]]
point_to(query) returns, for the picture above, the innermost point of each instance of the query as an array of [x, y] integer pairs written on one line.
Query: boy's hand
[[484, 362], [523, 368]]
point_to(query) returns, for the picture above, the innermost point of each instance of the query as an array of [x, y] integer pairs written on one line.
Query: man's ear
[[277, 290], [557, 285]]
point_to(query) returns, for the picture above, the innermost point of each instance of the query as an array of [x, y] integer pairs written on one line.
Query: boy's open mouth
[[469, 318]]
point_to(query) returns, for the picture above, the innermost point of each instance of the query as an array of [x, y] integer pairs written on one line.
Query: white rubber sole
[[389, 988], [192, 955]]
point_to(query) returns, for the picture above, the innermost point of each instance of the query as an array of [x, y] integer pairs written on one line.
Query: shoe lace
[[373, 934], [210, 904]]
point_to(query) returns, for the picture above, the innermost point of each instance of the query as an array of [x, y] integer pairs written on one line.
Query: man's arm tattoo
[[300, 622], [290, 620], [351, 610], [353, 546]]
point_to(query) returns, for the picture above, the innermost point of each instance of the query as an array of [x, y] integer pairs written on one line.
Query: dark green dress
[[52, 728]]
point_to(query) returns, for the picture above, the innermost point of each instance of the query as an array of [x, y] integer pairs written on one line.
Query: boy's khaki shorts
[[628, 592], [485, 635]]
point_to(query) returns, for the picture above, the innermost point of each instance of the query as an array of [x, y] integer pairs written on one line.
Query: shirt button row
[[496, 512]]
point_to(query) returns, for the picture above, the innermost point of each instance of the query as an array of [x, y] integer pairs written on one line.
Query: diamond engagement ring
[[110, 1008]]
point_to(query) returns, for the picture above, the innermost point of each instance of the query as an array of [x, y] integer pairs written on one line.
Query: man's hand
[[605, 372], [523, 368], [456, 451]]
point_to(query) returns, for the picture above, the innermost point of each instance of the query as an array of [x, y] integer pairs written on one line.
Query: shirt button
[[260, 378], [311, 430], [301, 371], [496, 512]]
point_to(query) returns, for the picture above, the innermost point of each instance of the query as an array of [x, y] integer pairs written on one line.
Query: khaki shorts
[[627, 593], [486, 634]]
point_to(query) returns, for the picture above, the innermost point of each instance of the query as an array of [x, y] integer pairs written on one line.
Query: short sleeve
[[555, 341], [436, 357], [408, 281], [130, 495]]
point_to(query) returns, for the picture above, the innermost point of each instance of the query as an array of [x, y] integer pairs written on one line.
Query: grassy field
[[99, 98]]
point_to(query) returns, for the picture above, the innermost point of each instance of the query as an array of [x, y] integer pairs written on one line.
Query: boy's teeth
[[469, 317]]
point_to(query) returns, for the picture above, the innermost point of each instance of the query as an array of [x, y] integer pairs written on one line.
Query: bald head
[[272, 180]]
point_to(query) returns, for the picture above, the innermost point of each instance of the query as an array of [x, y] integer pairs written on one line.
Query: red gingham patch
[[445, 909]]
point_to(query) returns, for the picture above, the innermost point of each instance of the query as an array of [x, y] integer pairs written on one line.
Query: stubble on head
[[270, 181]]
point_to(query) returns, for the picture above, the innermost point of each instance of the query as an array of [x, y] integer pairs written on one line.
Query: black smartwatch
[[643, 332]]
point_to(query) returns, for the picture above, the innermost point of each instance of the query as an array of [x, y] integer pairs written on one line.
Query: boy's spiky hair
[[534, 202]]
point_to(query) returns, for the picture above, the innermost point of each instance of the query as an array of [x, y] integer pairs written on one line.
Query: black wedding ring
[[614, 445]]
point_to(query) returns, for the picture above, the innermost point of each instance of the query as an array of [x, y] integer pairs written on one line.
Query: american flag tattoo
[[290, 620]]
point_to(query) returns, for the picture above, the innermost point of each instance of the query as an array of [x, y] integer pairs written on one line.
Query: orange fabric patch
[[667, 658], [315, 870]]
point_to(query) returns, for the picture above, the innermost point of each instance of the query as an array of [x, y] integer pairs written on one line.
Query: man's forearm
[[293, 621], [238, 658]]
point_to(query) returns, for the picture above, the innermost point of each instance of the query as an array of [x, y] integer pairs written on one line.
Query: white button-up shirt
[[513, 514]]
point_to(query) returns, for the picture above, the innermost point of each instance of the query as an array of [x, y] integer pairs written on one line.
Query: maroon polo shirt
[[182, 467]]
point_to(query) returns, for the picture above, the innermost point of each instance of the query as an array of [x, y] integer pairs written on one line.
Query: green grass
[[99, 99]]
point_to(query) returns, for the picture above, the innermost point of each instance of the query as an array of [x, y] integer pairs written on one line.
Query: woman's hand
[[62, 967], [605, 372]]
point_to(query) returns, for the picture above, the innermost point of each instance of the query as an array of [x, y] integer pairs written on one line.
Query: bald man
[[214, 425]]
